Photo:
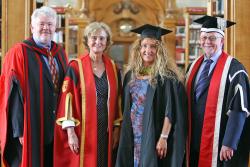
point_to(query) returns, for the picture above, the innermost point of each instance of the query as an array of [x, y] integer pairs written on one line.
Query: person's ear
[[31, 28], [222, 41]]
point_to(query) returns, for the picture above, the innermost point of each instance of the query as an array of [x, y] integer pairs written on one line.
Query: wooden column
[[82, 24], [170, 23], [170, 38], [15, 22], [238, 35]]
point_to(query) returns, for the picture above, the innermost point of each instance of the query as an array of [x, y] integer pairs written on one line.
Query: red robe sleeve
[[69, 102], [12, 69]]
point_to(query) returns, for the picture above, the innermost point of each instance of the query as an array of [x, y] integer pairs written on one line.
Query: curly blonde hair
[[164, 66]]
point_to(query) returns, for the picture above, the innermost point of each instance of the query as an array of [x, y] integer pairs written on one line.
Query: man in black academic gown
[[219, 101]]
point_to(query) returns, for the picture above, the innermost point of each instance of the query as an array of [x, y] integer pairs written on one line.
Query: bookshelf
[[59, 36], [74, 36], [192, 32], [215, 8], [180, 38]]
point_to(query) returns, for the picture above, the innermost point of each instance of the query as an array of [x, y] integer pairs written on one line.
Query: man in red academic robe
[[29, 93]]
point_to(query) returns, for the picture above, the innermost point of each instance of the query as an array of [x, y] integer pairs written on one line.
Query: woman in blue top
[[154, 102]]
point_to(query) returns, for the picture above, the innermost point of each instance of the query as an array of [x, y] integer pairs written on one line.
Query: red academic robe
[[25, 65], [78, 104]]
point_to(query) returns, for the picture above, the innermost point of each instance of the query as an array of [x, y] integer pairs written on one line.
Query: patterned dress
[[102, 120], [138, 90]]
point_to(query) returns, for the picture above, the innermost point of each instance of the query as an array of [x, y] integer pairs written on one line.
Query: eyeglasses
[[210, 38]]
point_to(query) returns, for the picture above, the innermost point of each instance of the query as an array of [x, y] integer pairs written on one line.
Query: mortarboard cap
[[151, 31], [214, 24]]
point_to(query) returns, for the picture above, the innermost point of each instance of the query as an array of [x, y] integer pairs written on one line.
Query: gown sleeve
[[16, 111], [238, 108], [118, 113], [176, 102], [69, 104], [69, 109], [176, 111], [169, 100], [12, 91]]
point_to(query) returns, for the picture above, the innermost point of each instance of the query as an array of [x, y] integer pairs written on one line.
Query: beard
[[44, 39]]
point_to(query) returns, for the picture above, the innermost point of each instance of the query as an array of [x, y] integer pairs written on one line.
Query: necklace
[[145, 70], [95, 64]]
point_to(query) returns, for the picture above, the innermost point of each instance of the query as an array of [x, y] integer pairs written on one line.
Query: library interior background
[[123, 15]]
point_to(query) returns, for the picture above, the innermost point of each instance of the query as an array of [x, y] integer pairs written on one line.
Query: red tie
[[53, 71]]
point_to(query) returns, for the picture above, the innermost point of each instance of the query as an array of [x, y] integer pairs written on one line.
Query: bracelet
[[164, 136]]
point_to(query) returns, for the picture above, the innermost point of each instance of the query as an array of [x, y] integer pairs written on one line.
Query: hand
[[116, 136], [161, 148], [226, 153], [72, 140], [21, 140]]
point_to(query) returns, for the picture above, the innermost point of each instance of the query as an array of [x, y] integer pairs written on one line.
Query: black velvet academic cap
[[151, 31], [214, 24]]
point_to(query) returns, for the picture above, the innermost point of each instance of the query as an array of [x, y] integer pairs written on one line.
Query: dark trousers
[[194, 158], [48, 155], [14, 157], [14, 152]]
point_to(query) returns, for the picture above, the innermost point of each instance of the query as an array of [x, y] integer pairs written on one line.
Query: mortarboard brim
[[214, 24], [151, 31]]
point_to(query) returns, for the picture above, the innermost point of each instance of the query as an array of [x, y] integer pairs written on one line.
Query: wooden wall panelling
[[238, 36], [230, 32], [15, 25], [170, 38]]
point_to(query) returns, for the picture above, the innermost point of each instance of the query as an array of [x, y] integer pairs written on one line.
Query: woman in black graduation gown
[[154, 105]]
